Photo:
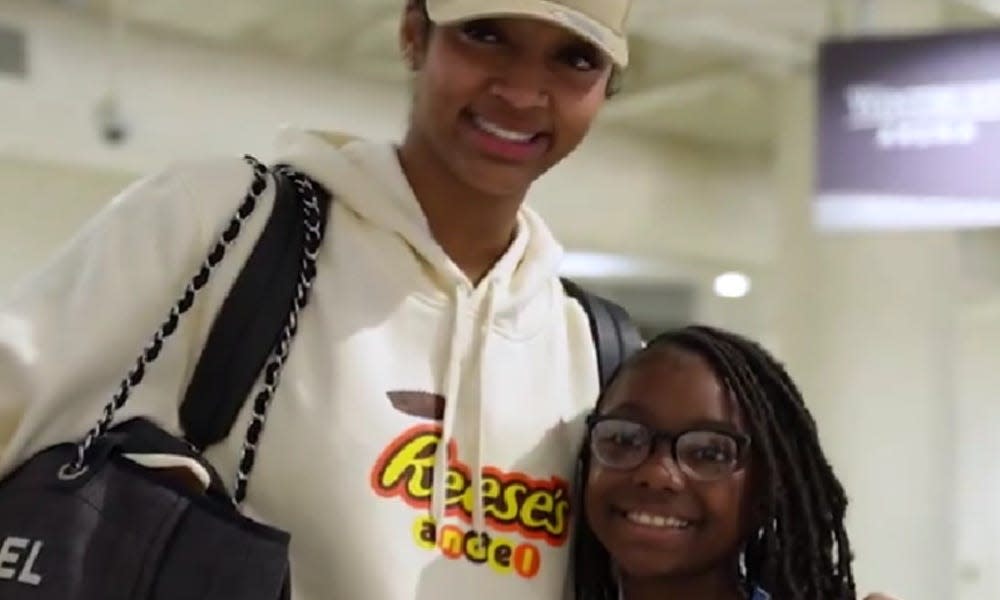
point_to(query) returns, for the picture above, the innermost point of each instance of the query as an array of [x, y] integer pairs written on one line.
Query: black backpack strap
[[250, 321], [615, 335]]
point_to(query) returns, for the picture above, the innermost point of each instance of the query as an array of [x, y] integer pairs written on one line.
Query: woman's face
[[657, 519], [500, 101]]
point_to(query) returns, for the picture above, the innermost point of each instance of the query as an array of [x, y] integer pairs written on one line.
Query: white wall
[[978, 453], [180, 99], [867, 325], [663, 200]]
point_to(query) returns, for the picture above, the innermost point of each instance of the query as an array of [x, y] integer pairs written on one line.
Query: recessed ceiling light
[[732, 285]]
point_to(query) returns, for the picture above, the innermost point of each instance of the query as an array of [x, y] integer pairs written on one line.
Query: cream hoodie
[[394, 339]]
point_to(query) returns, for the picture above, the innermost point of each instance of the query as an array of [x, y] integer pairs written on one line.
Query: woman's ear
[[414, 33], [409, 57]]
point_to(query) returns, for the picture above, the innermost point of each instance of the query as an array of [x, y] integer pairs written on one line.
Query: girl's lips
[[636, 527], [657, 510], [651, 519]]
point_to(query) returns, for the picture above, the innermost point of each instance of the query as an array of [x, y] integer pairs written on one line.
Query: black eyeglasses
[[703, 454]]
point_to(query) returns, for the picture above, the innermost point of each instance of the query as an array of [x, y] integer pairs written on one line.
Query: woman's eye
[[580, 62], [583, 59], [483, 32]]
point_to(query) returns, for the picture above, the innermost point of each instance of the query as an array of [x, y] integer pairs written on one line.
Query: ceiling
[[703, 70]]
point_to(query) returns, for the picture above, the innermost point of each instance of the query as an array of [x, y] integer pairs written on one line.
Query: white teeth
[[648, 520], [500, 132]]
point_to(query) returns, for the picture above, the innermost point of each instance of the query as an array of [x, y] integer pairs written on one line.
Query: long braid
[[827, 492], [807, 512], [592, 566], [830, 497], [805, 495], [802, 550], [745, 385]]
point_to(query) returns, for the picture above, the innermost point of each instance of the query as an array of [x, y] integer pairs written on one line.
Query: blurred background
[[692, 201]]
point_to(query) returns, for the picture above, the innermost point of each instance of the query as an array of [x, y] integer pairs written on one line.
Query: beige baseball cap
[[601, 22]]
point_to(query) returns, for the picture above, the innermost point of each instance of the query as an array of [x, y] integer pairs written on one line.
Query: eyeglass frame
[[657, 436]]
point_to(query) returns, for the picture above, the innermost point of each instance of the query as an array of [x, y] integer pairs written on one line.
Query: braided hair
[[801, 551]]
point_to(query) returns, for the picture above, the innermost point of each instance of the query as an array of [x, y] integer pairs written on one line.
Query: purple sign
[[909, 132]]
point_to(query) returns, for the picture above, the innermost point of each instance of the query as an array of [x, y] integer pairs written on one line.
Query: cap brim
[[611, 43]]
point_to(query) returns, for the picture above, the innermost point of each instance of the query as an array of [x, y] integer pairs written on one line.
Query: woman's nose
[[522, 87]]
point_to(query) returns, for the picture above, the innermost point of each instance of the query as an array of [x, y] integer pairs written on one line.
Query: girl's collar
[[759, 594]]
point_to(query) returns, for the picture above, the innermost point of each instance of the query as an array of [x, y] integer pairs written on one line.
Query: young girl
[[704, 480]]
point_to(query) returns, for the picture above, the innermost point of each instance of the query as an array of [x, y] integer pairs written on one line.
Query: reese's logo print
[[515, 504]]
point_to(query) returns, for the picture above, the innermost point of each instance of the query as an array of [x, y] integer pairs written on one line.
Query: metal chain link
[[313, 235], [169, 326]]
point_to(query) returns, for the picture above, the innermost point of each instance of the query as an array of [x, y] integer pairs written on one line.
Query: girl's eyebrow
[[625, 410], [715, 425], [632, 413]]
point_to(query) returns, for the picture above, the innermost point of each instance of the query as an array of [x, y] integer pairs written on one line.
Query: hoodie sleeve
[[71, 331]]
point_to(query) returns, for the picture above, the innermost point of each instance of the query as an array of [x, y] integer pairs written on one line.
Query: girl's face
[[501, 101], [660, 518]]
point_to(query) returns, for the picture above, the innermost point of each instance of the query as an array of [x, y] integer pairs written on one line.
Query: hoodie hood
[[368, 179]]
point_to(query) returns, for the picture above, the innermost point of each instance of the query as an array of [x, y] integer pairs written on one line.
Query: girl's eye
[[481, 31], [718, 455], [620, 434], [624, 439]]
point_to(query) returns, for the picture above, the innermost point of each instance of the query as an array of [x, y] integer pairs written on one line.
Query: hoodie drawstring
[[485, 387], [439, 495]]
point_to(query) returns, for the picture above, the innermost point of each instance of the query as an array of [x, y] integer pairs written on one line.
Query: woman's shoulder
[[197, 181], [197, 196]]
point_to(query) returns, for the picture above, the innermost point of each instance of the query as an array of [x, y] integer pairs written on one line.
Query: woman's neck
[[473, 228], [715, 585]]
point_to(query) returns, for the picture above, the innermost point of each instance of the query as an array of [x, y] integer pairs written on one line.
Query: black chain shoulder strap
[[307, 195]]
